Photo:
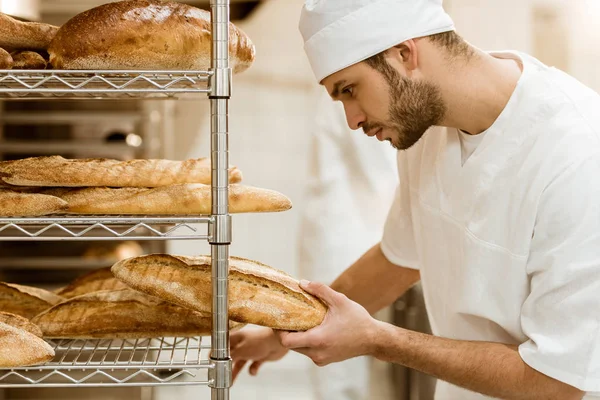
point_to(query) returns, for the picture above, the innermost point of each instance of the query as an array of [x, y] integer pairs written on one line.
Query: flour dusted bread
[[172, 200], [56, 171], [258, 294], [19, 348], [26, 301], [121, 314], [6, 60], [144, 34], [15, 34], [19, 322], [22, 204], [28, 60], [94, 281]]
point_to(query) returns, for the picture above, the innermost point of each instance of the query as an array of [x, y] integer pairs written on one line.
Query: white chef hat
[[340, 33]]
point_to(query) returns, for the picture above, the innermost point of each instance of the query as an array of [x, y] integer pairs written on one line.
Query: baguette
[[15, 34], [258, 294], [144, 34], [28, 60], [168, 200], [6, 60], [17, 204], [19, 348], [26, 301], [56, 171], [19, 322], [99, 280], [121, 314]]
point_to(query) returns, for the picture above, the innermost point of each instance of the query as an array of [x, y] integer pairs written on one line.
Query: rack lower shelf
[[59, 228], [112, 362]]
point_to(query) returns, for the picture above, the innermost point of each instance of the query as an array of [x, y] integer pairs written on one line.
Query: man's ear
[[406, 54]]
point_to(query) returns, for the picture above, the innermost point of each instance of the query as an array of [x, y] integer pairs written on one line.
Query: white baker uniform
[[508, 243], [351, 186]]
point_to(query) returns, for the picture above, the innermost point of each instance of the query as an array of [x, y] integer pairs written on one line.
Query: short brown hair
[[451, 41]]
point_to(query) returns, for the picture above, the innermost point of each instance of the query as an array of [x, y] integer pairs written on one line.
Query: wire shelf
[[101, 84], [113, 362], [61, 228]]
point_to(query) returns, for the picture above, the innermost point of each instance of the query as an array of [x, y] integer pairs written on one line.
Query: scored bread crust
[[121, 314], [19, 348], [19, 322], [94, 281], [56, 171], [144, 34], [15, 34], [17, 204], [191, 199], [26, 301], [258, 294]]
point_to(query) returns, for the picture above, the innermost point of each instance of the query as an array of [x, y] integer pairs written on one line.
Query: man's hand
[[256, 346], [346, 331]]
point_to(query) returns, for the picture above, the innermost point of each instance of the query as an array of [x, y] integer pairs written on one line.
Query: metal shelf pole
[[220, 227]]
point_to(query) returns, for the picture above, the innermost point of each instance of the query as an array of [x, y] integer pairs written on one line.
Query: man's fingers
[[294, 340], [254, 367], [235, 338], [324, 292], [237, 368]]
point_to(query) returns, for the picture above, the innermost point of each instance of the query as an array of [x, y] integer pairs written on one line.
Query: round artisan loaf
[[145, 35]]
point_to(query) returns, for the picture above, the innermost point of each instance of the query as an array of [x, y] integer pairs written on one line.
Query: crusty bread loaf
[[6, 60], [171, 200], [19, 348], [15, 34], [94, 281], [19, 322], [56, 171], [121, 314], [26, 301], [144, 34], [28, 60], [18, 204], [258, 294]]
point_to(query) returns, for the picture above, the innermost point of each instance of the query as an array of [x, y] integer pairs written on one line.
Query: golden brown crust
[[6, 60], [19, 322], [121, 314], [144, 34], [25, 301], [258, 294], [15, 34], [28, 60], [94, 281], [56, 171], [171, 200], [19, 348], [18, 204]]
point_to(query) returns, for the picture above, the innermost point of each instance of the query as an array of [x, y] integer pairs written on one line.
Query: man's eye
[[347, 90]]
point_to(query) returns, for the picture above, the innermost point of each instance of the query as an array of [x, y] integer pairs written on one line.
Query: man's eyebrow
[[336, 89]]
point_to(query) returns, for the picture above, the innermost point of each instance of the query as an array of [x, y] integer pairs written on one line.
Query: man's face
[[386, 104]]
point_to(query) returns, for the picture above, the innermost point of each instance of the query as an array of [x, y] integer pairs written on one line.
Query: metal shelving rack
[[152, 361]]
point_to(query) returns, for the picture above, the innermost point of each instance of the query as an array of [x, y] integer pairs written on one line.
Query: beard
[[415, 106]]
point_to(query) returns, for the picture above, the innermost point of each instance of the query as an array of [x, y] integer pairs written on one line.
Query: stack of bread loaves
[[47, 185], [122, 35]]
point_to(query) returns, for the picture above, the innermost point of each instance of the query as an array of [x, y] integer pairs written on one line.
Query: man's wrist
[[381, 336]]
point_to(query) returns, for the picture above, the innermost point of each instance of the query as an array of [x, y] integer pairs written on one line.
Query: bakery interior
[[272, 139]]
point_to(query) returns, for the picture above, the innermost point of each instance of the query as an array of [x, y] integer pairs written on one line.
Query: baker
[[497, 211]]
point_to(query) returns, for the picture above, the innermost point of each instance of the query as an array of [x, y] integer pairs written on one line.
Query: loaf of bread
[[94, 281], [6, 60], [258, 294], [22, 204], [16, 35], [121, 314], [19, 322], [26, 301], [56, 171], [19, 348], [168, 200], [28, 60], [144, 34]]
